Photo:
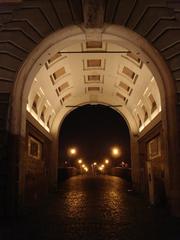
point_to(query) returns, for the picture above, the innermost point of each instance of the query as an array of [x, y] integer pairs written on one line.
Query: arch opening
[[90, 133], [112, 66]]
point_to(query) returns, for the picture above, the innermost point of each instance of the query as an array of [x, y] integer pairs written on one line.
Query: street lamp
[[101, 169], [94, 167], [116, 152], [106, 161], [72, 151], [80, 161]]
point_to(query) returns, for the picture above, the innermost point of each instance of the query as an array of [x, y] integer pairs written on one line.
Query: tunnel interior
[[94, 72]]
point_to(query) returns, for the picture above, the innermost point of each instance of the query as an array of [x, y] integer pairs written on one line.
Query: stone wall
[[151, 150], [36, 167]]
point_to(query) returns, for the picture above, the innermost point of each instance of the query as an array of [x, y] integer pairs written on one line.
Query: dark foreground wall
[[36, 171]]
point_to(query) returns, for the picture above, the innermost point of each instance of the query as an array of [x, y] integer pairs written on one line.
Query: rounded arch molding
[[125, 38], [63, 38]]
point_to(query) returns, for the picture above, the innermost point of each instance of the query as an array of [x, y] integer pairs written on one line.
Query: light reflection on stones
[[75, 204], [95, 208], [115, 207]]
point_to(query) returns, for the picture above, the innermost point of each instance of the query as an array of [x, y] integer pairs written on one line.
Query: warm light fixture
[[72, 151], [115, 151], [80, 161], [106, 161]]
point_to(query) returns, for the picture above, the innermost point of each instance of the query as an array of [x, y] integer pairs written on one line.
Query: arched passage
[[142, 103]]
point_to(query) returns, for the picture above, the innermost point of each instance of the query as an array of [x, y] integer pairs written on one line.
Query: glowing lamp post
[[80, 161], [94, 166], [106, 161], [72, 152], [116, 152]]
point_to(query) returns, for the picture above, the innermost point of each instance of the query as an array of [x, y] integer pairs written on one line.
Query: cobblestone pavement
[[95, 208]]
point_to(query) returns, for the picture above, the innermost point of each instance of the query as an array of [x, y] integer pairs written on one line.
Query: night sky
[[93, 130]]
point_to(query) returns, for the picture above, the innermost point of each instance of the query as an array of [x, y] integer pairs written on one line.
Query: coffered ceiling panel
[[102, 72]]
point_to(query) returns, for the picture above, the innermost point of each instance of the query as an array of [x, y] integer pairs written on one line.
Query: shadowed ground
[[94, 208]]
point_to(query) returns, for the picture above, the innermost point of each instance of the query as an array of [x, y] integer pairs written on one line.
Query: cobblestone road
[[95, 208]]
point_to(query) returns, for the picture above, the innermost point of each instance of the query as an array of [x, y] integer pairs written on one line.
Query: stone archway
[[62, 39], [39, 19]]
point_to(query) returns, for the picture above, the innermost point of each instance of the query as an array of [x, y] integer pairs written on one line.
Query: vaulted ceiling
[[95, 72]]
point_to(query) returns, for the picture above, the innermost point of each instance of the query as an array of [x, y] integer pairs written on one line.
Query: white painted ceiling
[[95, 73]]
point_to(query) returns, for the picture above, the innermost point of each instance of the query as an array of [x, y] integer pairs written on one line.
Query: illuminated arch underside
[[94, 72]]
